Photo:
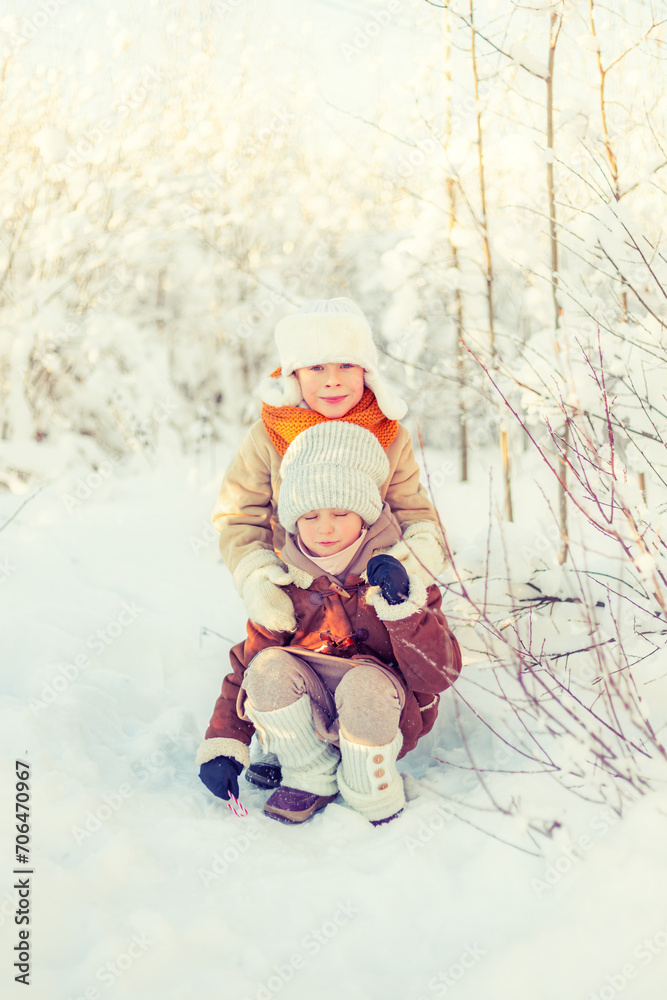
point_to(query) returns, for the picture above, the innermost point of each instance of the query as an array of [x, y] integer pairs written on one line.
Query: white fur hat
[[334, 464], [323, 331]]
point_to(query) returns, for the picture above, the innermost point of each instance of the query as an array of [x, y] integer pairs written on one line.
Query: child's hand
[[221, 776], [267, 603], [422, 551], [261, 587], [389, 575]]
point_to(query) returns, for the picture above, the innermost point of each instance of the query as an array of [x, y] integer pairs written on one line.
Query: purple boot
[[291, 805]]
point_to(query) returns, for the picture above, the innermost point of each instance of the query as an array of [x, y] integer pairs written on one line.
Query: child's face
[[331, 389], [328, 531]]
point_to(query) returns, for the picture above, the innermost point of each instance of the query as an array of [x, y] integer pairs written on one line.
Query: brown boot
[[291, 805]]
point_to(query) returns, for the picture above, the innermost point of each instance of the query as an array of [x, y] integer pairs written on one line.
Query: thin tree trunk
[[609, 152], [553, 236], [562, 499], [554, 31], [482, 190], [488, 262], [458, 298], [460, 364]]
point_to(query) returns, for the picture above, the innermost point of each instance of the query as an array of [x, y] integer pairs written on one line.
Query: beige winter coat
[[245, 513]]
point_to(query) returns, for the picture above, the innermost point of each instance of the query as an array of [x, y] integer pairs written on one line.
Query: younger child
[[356, 684]]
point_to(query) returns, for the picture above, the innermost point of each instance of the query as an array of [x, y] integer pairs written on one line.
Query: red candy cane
[[237, 807]]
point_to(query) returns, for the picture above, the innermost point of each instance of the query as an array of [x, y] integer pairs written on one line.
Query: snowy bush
[[572, 656]]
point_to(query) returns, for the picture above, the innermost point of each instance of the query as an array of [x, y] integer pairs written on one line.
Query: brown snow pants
[[359, 698]]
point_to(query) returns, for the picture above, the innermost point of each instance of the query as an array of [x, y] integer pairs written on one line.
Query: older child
[[356, 684], [328, 372]]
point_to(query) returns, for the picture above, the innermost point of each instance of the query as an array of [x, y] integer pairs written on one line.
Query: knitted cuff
[[257, 559], [308, 763], [275, 570], [317, 783], [300, 578], [425, 528], [368, 779], [426, 544], [416, 601], [258, 755], [219, 747]]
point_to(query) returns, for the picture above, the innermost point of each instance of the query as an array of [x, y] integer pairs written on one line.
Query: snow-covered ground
[[117, 619]]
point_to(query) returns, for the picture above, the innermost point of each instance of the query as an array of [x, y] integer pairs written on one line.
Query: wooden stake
[[505, 452]]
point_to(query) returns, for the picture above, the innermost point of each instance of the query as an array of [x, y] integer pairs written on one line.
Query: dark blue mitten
[[389, 575], [221, 776]]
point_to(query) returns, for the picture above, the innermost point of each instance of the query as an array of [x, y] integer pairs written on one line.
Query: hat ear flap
[[282, 391], [391, 404]]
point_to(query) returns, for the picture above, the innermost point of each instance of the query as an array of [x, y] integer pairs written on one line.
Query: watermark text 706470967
[[22, 884]]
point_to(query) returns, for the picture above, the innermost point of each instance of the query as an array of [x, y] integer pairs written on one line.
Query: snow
[[118, 619], [51, 144], [175, 182], [524, 57]]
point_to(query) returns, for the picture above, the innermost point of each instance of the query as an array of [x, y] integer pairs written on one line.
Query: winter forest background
[[488, 180]]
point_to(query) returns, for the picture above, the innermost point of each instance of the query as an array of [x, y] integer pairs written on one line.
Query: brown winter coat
[[418, 649], [245, 513]]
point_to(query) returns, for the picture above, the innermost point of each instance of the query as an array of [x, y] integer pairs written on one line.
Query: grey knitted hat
[[332, 465]]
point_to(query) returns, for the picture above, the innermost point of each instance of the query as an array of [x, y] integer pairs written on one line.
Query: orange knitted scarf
[[284, 423]]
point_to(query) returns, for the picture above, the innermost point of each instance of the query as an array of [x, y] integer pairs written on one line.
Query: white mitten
[[421, 550], [259, 578]]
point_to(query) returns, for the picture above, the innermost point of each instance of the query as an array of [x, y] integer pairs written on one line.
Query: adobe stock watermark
[[444, 812], [140, 436], [443, 982], [444, 474], [205, 539], [116, 968], [222, 6], [142, 431], [97, 641], [599, 825], [92, 138], [84, 487], [211, 191], [31, 26], [311, 944], [48, 353], [149, 765], [7, 568], [215, 186], [142, 770], [278, 122], [222, 860], [95, 819], [8, 908], [645, 952], [370, 30], [442, 815], [121, 279], [543, 543], [436, 142], [264, 307]]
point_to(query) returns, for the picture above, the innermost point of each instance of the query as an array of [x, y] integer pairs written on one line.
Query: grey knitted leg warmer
[[307, 762]]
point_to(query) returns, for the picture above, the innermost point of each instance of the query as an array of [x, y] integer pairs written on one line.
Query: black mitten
[[221, 776], [389, 575]]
